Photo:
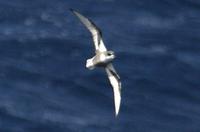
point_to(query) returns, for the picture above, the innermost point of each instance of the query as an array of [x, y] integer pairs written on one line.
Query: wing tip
[[116, 114], [71, 9], [117, 111], [117, 102]]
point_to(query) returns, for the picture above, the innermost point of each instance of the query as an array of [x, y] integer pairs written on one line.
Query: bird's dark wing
[[94, 30], [116, 84]]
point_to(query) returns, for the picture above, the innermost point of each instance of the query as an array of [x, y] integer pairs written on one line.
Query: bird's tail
[[90, 64]]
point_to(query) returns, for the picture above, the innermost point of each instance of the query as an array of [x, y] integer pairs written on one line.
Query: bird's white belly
[[99, 60], [102, 58]]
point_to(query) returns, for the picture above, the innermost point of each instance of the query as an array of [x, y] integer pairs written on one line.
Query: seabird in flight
[[103, 58]]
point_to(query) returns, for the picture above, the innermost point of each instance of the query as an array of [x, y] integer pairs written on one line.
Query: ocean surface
[[45, 87]]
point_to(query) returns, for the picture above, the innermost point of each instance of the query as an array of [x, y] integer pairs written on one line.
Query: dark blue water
[[45, 87]]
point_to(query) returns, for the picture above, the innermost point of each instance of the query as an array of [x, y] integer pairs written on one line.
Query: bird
[[103, 58]]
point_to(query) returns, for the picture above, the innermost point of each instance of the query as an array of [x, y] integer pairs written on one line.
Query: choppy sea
[[45, 87]]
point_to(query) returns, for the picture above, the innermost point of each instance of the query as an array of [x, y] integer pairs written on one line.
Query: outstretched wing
[[116, 84], [94, 30]]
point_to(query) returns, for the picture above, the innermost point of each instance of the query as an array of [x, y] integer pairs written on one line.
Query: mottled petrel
[[103, 58]]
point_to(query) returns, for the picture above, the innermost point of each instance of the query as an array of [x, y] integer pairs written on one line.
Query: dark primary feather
[[90, 25]]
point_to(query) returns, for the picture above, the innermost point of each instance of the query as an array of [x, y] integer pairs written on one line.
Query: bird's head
[[110, 54]]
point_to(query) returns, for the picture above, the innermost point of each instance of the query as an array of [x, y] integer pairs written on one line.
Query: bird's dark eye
[[109, 53]]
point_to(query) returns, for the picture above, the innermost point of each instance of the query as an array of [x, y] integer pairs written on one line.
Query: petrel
[[103, 58]]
